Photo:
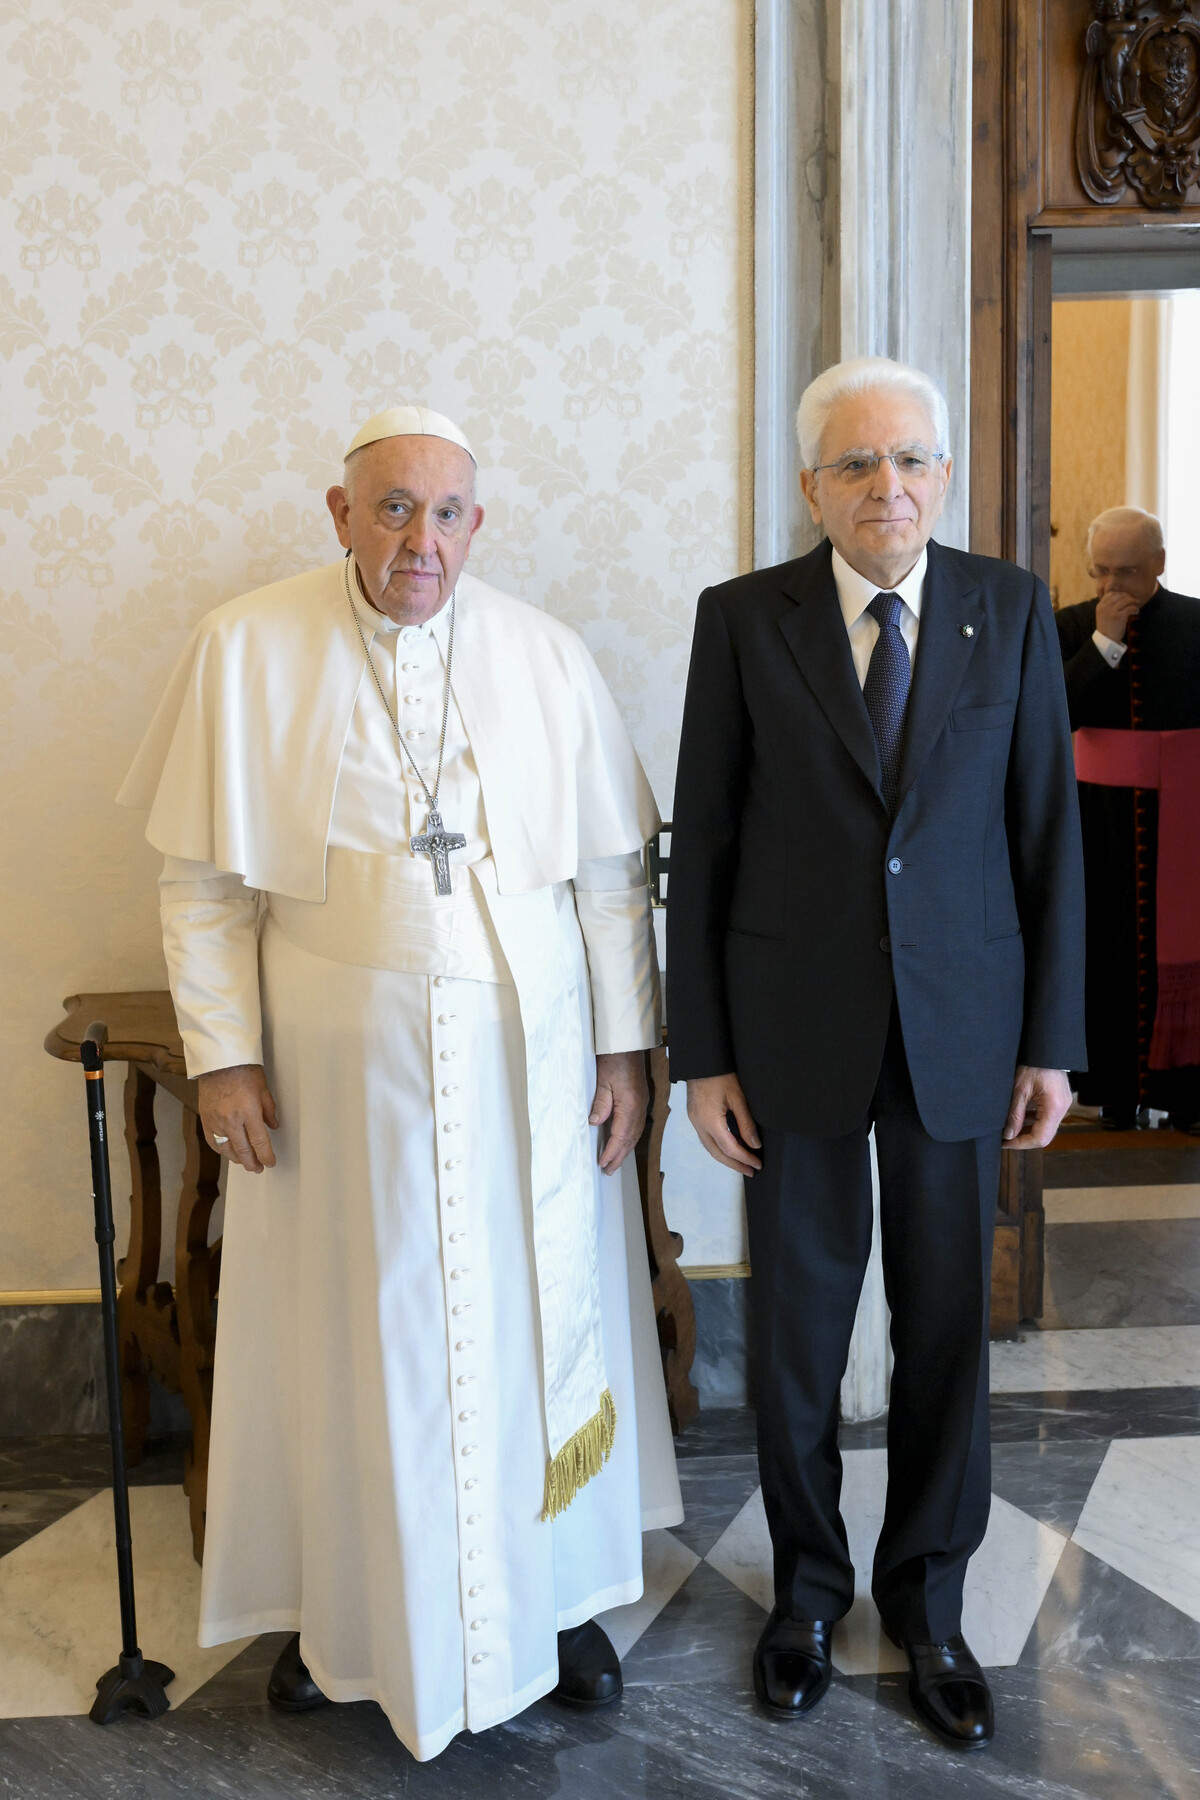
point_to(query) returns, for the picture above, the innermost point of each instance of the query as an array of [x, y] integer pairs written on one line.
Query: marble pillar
[[901, 70], [794, 264]]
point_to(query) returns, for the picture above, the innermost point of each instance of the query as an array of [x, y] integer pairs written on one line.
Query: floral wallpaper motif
[[235, 228]]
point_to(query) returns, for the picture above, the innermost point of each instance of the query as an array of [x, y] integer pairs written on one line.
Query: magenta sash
[[1168, 761]]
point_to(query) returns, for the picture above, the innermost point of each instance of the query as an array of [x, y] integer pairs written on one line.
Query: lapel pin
[[967, 630]]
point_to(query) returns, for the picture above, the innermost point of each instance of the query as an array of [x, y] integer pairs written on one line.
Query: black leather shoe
[[792, 1666], [291, 1687], [589, 1670], [950, 1693]]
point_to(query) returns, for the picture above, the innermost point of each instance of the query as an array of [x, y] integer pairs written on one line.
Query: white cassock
[[404, 1344]]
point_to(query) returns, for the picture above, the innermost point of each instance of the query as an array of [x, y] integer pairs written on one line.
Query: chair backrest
[[658, 864]]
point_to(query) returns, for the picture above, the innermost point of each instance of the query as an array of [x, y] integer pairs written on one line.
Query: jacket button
[[894, 865], [885, 944]]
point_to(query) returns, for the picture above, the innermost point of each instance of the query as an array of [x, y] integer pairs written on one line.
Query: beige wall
[[232, 230], [1089, 408]]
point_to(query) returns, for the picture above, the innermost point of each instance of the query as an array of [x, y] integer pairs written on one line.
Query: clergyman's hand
[[236, 1104], [1041, 1099], [622, 1097], [710, 1101], [1113, 614]]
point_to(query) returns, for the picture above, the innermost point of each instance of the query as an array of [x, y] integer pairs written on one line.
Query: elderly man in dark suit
[[876, 919]]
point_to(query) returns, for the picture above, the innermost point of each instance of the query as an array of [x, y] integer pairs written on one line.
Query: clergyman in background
[[1132, 663]]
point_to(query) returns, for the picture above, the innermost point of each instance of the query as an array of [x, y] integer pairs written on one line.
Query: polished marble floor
[[1084, 1602]]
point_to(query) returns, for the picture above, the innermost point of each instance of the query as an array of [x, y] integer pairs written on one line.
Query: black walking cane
[[135, 1685]]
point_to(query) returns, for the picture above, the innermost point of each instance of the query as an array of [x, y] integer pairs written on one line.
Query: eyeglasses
[[913, 464]]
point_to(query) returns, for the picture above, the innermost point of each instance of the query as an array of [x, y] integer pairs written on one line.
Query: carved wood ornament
[[1138, 123]]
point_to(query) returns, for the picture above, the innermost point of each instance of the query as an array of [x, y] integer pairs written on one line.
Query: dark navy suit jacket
[[798, 907]]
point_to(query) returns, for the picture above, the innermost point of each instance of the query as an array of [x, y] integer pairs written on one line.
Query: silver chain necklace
[[435, 841]]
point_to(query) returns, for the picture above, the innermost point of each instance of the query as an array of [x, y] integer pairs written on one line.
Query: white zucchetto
[[410, 421]]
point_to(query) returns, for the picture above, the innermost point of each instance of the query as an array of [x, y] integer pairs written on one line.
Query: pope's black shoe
[[589, 1671], [950, 1693], [792, 1666], [291, 1687]]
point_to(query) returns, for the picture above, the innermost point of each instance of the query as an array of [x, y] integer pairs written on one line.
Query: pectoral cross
[[436, 843]]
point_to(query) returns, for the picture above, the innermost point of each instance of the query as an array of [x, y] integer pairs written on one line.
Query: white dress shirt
[[1110, 651], [855, 594]]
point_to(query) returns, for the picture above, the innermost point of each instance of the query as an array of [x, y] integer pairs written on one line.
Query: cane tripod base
[[133, 1686]]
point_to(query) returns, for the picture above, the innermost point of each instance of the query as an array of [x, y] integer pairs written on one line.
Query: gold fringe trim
[[581, 1457]]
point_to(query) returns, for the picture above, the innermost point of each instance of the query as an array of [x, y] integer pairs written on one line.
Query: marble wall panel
[[723, 1369], [52, 1375]]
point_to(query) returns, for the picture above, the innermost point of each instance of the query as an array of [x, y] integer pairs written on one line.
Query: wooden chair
[[169, 1329]]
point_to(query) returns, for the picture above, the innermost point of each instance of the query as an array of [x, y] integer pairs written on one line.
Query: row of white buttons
[[413, 732], [463, 1378]]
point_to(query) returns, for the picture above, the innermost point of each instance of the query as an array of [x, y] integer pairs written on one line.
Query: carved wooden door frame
[[1033, 69], [1010, 291]]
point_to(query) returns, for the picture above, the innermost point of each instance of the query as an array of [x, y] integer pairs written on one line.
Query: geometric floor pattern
[[1007, 1580], [58, 1624], [1129, 1511], [1085, 1602]]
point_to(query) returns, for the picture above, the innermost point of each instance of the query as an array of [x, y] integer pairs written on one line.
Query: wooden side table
[[166, 1331], [170, 1332]]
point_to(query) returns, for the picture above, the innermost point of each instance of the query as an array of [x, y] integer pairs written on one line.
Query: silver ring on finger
[[218, 1139]]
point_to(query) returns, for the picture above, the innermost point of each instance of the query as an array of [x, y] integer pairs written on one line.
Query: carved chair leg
[[137, 1272], [195, 1293], [673, 1310], [135, 1397]]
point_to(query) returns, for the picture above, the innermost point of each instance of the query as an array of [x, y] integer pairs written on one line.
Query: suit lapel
[[944, 648], [815, 633]]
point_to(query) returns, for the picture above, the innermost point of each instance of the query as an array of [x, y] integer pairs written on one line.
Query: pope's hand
[[710, 1102], [1041, 1099], [236, 1104], [622, 1097]]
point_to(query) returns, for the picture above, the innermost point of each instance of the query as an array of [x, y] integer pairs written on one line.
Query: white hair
[[861, 375], [1120, 518]]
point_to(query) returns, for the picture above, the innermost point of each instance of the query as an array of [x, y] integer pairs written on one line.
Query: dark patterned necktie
[[885, 690]]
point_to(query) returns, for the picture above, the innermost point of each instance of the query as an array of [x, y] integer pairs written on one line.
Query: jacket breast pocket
[[983, 718]]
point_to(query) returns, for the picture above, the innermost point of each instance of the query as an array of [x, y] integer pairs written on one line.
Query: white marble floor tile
[[742, 1553], [1102, 1205], [1129, 1356], [1006, 1583], [666, 1565], [1142, 1517], [60, 1625]]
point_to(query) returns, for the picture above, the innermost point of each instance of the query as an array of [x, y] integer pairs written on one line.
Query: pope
[[410, 947]]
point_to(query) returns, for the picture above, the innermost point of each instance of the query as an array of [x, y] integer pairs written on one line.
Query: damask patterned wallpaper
[[232, 230]]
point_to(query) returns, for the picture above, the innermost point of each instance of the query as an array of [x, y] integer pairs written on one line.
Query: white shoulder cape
[[240, 762]]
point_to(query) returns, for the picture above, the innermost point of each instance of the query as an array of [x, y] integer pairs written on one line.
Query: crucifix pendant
[[436, 842]]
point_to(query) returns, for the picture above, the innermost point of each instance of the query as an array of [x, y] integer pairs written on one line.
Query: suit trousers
[[810, 1221]]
